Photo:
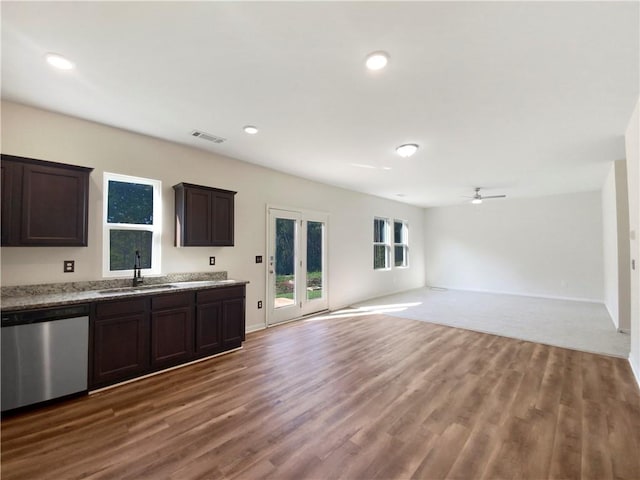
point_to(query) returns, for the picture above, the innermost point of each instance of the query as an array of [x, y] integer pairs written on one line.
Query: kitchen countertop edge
[[12, 304]]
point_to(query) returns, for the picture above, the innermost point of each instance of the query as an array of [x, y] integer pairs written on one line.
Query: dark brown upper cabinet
[[204, 216], [44, 204]]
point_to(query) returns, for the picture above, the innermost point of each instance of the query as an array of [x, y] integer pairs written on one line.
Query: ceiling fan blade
[[493, 196]]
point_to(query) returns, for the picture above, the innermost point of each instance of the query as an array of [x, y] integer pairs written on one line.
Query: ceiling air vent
[[207, 136]]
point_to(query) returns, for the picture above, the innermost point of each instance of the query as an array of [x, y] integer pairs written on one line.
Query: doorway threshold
[[303, 317]]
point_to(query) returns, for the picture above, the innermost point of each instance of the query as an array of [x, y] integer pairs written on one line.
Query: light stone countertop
[[55, 295]]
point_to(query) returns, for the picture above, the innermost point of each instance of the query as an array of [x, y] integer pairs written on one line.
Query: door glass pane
[[123, 246], [285, 263], [314, 260]]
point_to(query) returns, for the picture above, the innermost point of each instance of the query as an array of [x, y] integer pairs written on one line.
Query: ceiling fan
[[478, 198]]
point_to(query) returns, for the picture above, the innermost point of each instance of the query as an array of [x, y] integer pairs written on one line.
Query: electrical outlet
[[259, 303], [258, 258], [69, 266], [212, 260]]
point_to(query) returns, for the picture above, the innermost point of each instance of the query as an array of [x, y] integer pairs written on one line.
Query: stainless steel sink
[[139, 288]]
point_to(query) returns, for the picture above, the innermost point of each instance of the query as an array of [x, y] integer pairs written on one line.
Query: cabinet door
[[10, 197], [222, 229], [208, 328], [171, 336], [54, 206], [197, 227], [120, 349], [233, 322]]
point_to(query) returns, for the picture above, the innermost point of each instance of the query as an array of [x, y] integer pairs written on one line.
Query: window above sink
[[132, 221]]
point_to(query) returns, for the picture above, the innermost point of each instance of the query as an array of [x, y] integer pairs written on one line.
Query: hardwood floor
[[358, 397]]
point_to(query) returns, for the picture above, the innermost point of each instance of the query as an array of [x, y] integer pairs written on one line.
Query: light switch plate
[[69, 266]]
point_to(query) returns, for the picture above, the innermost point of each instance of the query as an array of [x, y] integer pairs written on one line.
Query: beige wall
[[632, 144], [545, 246], [45, 135]]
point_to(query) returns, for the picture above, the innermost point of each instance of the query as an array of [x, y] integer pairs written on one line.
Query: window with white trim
[[381, 244], [400, 243], [132, 222]]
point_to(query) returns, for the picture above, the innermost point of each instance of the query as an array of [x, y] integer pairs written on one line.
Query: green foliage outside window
[[130, 203], [124, 244]]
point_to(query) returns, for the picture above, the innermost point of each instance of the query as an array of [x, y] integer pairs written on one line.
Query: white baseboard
[[254, 328], [635, 372], [519, 294], [612, 317]]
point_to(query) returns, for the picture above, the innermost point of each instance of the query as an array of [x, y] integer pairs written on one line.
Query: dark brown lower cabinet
[[171, 329], [120, 342], [208, 328], [220, 319], [134, 337], [233, 322]]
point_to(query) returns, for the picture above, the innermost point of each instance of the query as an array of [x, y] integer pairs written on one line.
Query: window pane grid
[[381, 244], [400, 243], [124, 244], [130, 203], [132, 222]]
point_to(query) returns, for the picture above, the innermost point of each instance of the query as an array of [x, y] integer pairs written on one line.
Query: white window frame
[[386, 243], [156, 227], [404, 243]]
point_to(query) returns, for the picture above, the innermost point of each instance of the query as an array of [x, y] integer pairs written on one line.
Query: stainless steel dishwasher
[[45, 354]]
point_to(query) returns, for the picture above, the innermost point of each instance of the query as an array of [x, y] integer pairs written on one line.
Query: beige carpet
[[576, 325]]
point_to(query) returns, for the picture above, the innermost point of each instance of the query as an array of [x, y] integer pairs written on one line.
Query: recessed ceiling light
[[250, 129], [377, 60], [407, 149], [59, 62]]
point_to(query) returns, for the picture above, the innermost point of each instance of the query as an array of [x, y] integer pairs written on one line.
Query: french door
[[297, 264]]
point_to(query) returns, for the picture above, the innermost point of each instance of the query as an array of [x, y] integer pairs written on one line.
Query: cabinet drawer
[[121, 307], [171, 300], [216, 294]]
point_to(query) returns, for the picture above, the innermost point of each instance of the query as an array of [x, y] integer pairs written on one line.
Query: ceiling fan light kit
[[406, 150], [477, 197]]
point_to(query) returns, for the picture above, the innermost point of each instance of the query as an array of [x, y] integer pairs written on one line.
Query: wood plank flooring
[[357, 397]]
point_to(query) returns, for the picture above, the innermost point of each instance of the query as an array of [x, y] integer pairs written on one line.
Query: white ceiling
[[520, 98]]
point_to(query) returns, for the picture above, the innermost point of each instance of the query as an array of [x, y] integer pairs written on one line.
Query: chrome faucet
[[137, 267]]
